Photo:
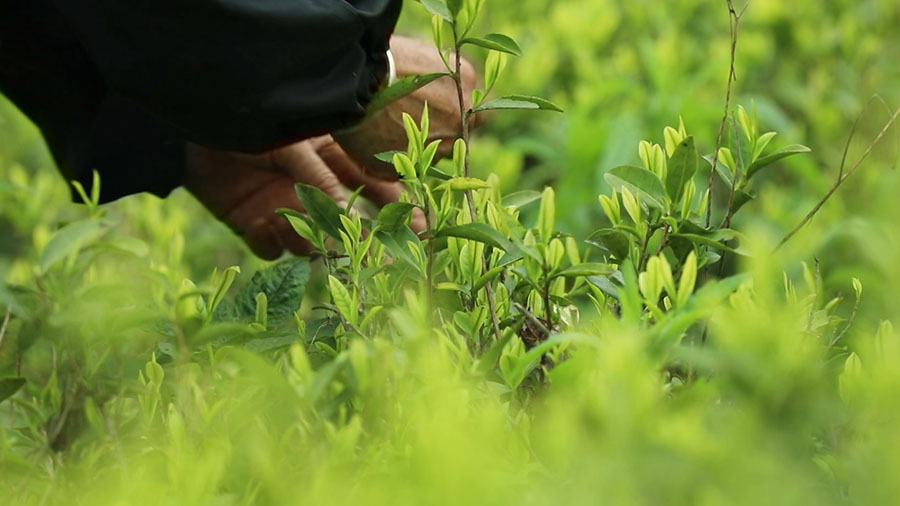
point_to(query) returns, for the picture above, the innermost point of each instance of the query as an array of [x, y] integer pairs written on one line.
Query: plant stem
[[842, 176], [5, 323], [734, 19], [464, 119]]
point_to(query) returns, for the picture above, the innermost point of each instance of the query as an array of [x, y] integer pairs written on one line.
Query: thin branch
[[734, 24], [532, 318], [5, 323], [842, 176], [464, 119]]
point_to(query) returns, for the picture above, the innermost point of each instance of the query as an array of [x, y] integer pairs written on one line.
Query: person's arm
[[243, 75], [121, 86]]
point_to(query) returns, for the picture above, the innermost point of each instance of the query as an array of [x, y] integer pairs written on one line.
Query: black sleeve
[[120, 85]]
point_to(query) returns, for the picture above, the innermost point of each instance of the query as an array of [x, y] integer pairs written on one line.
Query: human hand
[[384, 130], [245, 190]]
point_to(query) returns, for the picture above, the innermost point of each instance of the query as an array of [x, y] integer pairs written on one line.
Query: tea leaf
[[584, 270], [521, 198], [518, 102], [9, 386], [638, 180], [321, 208], [401, 88], [393, 215], [283, 284], [495, 41], [794, 149], [681, 168], [481, 233]]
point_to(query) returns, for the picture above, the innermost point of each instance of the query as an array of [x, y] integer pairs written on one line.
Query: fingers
[[265, 232], [302, 163], [245, 198]]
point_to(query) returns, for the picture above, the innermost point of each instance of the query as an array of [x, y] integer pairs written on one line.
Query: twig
[[532, 318], [464, 119], [5, 323], [842, 176], [734, 24]]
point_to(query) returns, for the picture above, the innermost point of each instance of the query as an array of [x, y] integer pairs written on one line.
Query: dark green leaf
[[639, 181], [393, 215], [321, 208], [454, 6], [439, 174], [794, 149], [495, 41], [9, 386], [605, 285], [401, 88], [481, 233], [396, 244], [681, 168], [613, 241], [284, 284], [740, 198], [518, 102]]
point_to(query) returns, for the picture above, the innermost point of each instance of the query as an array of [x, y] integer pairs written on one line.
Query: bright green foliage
[[491, 358]]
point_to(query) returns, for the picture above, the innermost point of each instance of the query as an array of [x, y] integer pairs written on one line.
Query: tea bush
[[661, 350]]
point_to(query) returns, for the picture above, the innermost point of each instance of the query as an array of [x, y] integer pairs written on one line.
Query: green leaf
[[584, 270], [401, 88], [495, 41], [481, 233], [528, 362], [222, 287], [396, 244], [387, 156], [518, 102], [464, 183], [9, 386], [283, 284], [710, 241], [70, 239], [342, 299], [681, 168], [438, 7], [794, 149], [638, 180], [393, 215], [321, 208], [495, 271], [740, 198], [521, 198], [547, 215], [454, 6], [612, 240], [700, 305]]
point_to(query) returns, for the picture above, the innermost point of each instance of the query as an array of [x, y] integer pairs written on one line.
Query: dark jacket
[[121, 85]]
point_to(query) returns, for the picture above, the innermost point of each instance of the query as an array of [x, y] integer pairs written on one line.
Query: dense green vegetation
[[534, 345]]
